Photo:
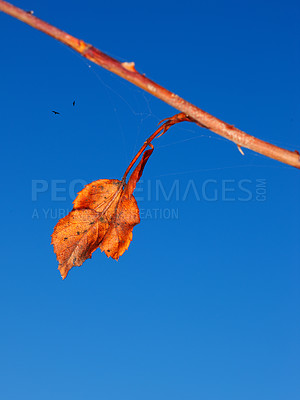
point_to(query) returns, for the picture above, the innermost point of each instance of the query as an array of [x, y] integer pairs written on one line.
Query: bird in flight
[[55, 112], [74, 103]]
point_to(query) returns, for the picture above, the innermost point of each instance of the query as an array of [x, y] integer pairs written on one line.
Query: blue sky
[[205, 303]]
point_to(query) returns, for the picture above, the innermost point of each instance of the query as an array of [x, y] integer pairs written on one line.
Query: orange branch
[[128, 72]]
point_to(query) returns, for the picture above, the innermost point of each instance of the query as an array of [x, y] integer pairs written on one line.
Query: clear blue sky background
[[203, 305]]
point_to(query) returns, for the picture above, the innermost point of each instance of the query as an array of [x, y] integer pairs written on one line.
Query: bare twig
[[128, 72]]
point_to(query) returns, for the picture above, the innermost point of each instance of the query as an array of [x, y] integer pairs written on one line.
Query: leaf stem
[[127, 71], [167, 123]]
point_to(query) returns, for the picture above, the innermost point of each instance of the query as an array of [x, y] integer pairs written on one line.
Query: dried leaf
[[104, 215]]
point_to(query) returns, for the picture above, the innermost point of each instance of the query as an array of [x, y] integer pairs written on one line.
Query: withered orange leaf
[[104, 215]]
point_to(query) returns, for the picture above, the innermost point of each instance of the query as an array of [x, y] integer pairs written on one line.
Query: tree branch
[[128, 72]]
